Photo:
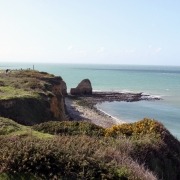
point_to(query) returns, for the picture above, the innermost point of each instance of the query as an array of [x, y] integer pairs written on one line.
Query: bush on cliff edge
[[153, 145]]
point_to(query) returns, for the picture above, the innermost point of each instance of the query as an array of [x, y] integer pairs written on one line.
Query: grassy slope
[[79, 151], [82, 150], [10, 128], [153, 145], [22, 84]]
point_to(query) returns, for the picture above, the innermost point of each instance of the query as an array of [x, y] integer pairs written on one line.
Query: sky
[[138, 32]]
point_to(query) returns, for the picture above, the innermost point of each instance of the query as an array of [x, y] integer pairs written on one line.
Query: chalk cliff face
[[44, 102]]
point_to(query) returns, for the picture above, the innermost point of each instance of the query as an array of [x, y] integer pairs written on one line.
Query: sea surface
[[160, 81]]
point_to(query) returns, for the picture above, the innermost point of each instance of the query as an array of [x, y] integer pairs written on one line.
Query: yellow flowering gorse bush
[[143, 127]]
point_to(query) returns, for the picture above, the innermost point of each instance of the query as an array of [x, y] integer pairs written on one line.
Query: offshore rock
[[83, 88]]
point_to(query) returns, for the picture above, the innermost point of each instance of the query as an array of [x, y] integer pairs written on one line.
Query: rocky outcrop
[[83, 88], [45, 104]]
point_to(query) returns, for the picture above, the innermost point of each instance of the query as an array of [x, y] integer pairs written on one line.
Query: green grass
[[8, 92], [10, 128], [23, 84], [20, 176], [70, 128]]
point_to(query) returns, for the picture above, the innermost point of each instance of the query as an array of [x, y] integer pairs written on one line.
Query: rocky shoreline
[[79, 109], [99, 97], [83, 107]]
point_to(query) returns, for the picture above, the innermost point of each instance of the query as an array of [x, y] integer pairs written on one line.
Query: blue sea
[[159, 81]]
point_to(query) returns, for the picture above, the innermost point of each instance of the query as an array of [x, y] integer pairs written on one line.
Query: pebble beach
[[94, 115]]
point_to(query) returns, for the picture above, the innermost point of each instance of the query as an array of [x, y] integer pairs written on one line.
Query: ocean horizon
[[160, 81]]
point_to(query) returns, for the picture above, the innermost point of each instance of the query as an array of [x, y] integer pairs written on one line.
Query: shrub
[[137, 129], [152, 144], [70, 128], [66, 157]]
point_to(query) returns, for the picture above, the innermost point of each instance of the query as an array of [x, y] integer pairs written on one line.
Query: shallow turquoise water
[[161, 81], [133, 111]]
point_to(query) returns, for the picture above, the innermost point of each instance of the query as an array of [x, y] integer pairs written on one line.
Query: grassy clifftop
[[31, 97], [22, 83], [80, 150]]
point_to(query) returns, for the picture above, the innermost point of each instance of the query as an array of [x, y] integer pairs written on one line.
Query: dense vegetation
[[80, 150], [70, 128], [153, 145]]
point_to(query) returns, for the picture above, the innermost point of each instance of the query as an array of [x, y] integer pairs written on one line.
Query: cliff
[[31, 97]]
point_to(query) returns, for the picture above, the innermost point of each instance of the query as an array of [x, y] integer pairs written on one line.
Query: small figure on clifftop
[[7, 70]]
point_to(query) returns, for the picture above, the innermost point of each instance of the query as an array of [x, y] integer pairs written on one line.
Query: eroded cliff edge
[[31, 97]]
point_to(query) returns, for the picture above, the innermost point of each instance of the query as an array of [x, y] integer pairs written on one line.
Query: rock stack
[[83, 88]]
